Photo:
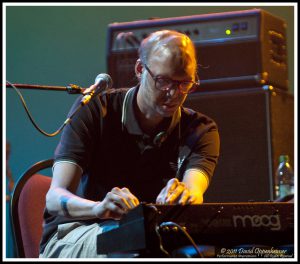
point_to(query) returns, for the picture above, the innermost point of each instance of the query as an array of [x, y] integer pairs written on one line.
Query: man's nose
[[173, 90]]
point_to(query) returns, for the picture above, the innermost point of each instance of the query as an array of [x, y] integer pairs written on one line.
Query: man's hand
[[176, 192], [116, 203]]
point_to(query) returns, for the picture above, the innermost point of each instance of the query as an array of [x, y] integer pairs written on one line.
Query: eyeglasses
[[164, 83]]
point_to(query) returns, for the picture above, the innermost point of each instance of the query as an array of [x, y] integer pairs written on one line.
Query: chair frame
[[34, 169]]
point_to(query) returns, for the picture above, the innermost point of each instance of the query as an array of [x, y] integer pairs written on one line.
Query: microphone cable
[[173, 224], [68, 120]]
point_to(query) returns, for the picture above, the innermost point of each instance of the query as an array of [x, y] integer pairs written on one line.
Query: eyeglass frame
[[154, 77]]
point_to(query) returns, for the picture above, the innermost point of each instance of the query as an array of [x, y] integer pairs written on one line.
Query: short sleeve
[[200, 145], [205, 154], [78, 136]]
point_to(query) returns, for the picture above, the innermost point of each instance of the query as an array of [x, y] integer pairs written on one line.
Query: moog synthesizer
[[220, 224]]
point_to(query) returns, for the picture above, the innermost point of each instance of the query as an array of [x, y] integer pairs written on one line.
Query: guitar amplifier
[[234, 49]]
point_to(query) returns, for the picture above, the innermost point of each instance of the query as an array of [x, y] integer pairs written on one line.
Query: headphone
[[160, 138]]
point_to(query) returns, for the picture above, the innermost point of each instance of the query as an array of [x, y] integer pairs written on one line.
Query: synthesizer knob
[[164, 228], [174, 228]]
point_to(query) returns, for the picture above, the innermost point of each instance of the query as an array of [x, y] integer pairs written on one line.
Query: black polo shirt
[[106, 141]]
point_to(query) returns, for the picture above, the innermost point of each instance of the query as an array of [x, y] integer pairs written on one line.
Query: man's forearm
[[61, 202], [197, 182]]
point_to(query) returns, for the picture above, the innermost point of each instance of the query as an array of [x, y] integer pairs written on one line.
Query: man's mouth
[[170, 106]]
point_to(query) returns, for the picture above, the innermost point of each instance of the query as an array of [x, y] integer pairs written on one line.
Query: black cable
[[161, 247], [167, 224], [68, 120], [154, 208]]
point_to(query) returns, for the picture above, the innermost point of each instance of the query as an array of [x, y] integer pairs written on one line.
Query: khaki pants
[[77, 240]]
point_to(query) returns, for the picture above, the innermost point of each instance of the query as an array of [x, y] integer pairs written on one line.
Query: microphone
[[103, 82]]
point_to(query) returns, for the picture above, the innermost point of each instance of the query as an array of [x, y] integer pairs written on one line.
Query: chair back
[[27, 208]]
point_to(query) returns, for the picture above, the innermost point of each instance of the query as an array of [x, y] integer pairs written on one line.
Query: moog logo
[[272, 221]]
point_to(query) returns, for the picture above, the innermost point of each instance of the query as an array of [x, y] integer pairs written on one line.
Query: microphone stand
[[71, 89]]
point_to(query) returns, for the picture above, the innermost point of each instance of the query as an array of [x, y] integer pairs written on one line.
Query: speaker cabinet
[[256, 125]]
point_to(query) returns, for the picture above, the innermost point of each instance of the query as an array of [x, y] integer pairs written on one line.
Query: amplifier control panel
[[128, 36]]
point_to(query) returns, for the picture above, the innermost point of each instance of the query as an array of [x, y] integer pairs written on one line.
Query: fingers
[[185, 197], [112, 210], [172, 184], [180, 194], [116, 203], [132, 200], [176, 192], [171, 193], [124, 198]]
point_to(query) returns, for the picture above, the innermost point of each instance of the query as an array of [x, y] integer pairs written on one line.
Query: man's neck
[[149, 122]]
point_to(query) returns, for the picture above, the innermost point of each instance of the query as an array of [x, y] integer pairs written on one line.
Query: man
[[130, 146]]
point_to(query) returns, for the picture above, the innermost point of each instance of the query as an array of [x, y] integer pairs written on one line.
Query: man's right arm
[[61, 198]]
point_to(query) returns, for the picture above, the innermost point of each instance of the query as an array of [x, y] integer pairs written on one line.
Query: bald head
[[170, 45]]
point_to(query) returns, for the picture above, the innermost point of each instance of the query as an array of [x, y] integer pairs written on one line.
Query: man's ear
[[138, 69]]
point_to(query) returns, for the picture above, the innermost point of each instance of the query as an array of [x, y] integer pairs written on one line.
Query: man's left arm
[[200, 167]]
